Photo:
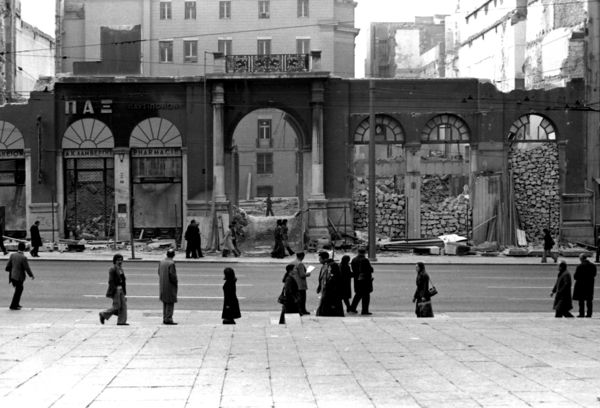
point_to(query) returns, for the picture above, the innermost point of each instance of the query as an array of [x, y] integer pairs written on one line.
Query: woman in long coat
[[421, 297], [562, 288], [116, 291], [346, 281], [291, 295], [231, 305], [228, 243], [329, 287]]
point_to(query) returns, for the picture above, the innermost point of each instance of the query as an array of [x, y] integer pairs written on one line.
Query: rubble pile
[[535, 172], [390, 210], [282, 206], [442, 214]]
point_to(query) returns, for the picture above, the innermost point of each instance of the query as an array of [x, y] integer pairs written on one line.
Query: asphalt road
[[464, 288]]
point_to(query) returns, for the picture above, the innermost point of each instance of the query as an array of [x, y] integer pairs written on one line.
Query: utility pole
[[372, 193]]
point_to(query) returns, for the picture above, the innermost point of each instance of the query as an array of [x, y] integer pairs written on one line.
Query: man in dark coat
[[329, 287], [585, 275], [17, 267], [2, 247], [168, 286], [269, 206], [562, 288], [192, 236], [363, 281], [36, 239]]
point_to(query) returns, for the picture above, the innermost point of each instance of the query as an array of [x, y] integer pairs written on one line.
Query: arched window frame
[[88, 133], [155, 132], [446, 120], [362, 133], [524, 122]]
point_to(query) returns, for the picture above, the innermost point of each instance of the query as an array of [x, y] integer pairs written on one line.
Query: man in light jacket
[[168, 286], [17, 267], [299, 274]]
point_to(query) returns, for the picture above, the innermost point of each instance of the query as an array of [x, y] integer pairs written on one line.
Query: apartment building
[[170, 37]]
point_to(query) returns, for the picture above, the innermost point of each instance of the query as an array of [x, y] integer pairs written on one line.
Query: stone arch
[[155, 132], [521, 129], [88, 134], [387, 131], [456, 130], [10, 137]]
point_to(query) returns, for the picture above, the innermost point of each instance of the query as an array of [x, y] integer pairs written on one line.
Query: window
[[190, 10], [224, 9], [264, 47], [166, 51], [302, 8], [225, 47], [165, 10], [263, 191], [190, 51], [302, 46], [383, 49], [264, 163], [263, 9], [264, 128]]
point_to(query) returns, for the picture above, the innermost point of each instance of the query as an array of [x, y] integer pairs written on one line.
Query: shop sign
[[85, 153], [159, 152], [7, 178], [11, 154], [152, 106]]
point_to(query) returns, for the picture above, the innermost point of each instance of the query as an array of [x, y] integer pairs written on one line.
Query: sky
[[40, 13]]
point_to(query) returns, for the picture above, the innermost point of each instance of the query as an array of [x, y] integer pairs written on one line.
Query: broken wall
[[390, 209], [445, 209]]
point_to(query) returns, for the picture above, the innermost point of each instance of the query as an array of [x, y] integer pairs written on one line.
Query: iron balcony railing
[[267, 63]]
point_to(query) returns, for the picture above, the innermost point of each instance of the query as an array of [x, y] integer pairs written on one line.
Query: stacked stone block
[[442, 214], [535, 172], [390, 208]]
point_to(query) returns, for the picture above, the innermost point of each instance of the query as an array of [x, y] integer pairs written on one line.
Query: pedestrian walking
[[234, 234], [231, 305], [585, 276], [192, 236], [227, 243], [278, 250], [168, 286], [2, 247], [422, 297], [36, 239], [548, 244], [17, 266], [117, 290], [562, 288], [290, 296], [269, 206], [362, 271], [300, 274], [329, 287], [346, 281], [284, 238]]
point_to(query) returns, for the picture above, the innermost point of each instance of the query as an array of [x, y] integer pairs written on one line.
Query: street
[[462, 288]]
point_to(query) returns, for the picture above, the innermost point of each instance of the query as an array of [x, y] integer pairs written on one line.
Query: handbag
[[432, 290], [281, 298]]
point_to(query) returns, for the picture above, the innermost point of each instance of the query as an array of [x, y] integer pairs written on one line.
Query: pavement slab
[[64, 358]]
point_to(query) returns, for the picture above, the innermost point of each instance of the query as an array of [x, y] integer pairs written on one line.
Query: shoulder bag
[[432, 290]]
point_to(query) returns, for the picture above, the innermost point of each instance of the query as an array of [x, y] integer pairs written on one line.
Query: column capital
[[218, 93], [317, 92]]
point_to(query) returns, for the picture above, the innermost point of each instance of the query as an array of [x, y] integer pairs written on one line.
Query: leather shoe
[[101, 318], [122, 324], [366, 313], [352, 311], [170, 323], [15, 308]]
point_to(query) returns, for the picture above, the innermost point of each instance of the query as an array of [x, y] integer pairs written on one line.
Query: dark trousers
[[168, 309], [34, 250], [269, 212], [16, 300], [366, 299], [2, 247], [192, 250], [563, 313], [589, 307], [302, 301]]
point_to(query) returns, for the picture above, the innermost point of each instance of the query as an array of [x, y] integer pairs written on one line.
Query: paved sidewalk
[[383, 258], [65, 358]]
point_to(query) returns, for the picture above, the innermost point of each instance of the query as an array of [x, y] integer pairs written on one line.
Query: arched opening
[[534, 173], [389, 174], [89, 180], [156, 178], [266, 159], [445, 168], [13, 201]]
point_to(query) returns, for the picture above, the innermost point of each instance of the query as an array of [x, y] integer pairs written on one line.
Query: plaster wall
[[407, 50], [35, 55]]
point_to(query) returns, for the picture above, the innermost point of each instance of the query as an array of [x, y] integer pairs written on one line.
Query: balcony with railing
[[266, 64]]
